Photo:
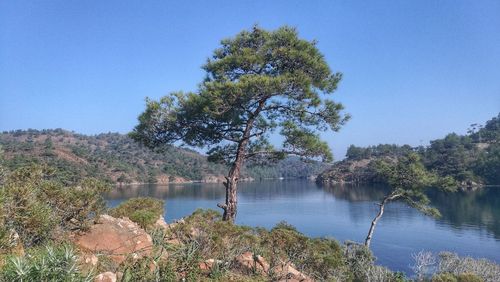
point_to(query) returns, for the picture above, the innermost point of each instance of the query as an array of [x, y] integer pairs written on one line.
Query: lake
[[470, 222]]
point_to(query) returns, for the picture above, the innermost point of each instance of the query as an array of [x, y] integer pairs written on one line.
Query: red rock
[[160, 223], [247, 264], [105, 277], [117, 238], [89, 259], [289, 274]]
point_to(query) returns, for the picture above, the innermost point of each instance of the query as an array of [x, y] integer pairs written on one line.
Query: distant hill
[[471, 160], [118, 159]]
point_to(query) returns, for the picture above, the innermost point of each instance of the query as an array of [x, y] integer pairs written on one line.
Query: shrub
[[469, 277], [142, 210], [465, 267], [205, 236], [46, 264], [449, 277], [144, 218], [444, 277], [34, 206]]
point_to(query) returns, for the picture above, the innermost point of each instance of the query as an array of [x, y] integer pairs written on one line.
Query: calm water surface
[[470, 222]]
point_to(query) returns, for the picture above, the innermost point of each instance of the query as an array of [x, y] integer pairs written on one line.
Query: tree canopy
[[257, 83]]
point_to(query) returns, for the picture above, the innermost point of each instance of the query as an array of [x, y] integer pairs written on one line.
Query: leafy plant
[[142, 210], [34, 206], [45, 264]]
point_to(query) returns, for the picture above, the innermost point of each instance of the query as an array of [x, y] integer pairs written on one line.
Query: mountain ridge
[[118, 159]]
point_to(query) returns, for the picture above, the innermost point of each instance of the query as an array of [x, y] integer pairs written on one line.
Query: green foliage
[[256, 82], [452, 156], [44, 264], [490, 133], [467, 268], [469, 277], [148, 269], [117, 158], [488, 164], [444, 277], [33, 205], [143, 210], [459, 161], [381, 150], [205, 236], [474, 157], [408, 179]]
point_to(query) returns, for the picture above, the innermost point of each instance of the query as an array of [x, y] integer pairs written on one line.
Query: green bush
[[45, 264], [444, 277], [467, 268], [205, 236], [463, 277], [35, 206], [469, 277], [144, 218], [142, 210]]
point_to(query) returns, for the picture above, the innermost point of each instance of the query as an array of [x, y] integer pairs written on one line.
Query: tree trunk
[[230, 206], [379, 215], [231, 184]]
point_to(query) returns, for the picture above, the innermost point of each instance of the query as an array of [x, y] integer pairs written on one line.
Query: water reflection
[[478, 209], [355, 193], [460, 210], [470, 224]]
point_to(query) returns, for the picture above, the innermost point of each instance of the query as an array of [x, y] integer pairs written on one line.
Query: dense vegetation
[[35, 207], [468, 160], [199, 240], [116, 158]]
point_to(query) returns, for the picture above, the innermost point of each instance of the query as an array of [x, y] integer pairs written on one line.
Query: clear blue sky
[[413, 70]]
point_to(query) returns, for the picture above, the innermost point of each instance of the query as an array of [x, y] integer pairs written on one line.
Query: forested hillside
[[116, 158], [471, 160]]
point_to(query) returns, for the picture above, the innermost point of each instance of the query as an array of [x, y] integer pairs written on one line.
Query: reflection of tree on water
[[210, 191], [196, 191], [479, 209], [476, 209], [355, 193], [465, 209]]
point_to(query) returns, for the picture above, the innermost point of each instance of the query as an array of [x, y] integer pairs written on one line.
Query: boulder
[[247, 263], [161, 223], [118, 238], [173, 241], [89, 259], [15, 244], [105, 277], [213, 179], [288, 273], [207, 265]]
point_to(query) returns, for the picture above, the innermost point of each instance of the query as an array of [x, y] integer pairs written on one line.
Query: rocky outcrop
[[470, 185], [13, 244], [288, 273], [161, 223], [171, 179], [105, 277], [222, 178], [117, 238], [89, 259], [213, 179], [248, 264]]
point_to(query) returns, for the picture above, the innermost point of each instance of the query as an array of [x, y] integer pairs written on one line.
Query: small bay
[[470, 222]]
